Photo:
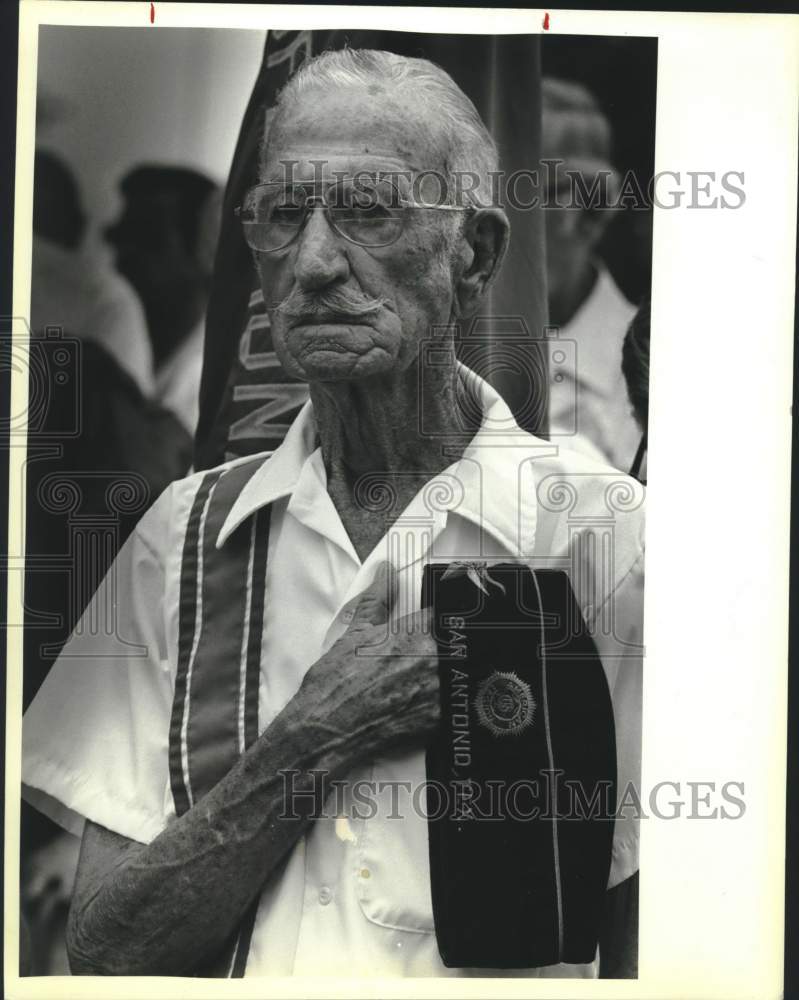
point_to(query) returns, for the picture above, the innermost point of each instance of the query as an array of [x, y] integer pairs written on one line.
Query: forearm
[[159, 908]]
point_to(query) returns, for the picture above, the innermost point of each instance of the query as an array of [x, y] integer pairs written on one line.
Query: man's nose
[[321, 259]]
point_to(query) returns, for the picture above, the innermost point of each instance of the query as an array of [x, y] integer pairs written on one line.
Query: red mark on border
[[546, 20], [152, 14]]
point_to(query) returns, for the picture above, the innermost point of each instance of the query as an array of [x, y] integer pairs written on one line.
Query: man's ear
[[487, 232]]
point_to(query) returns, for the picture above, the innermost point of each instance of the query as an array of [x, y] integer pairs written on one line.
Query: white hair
[[470, 147]]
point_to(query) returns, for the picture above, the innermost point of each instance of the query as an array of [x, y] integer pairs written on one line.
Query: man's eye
[[363, 204], [363, 197], [370, 210], [287, 215]]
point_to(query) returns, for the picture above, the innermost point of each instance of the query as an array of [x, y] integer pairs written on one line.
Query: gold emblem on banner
[[505, 704]]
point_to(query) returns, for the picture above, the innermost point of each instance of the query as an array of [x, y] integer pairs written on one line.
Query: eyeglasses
[[367, 211]]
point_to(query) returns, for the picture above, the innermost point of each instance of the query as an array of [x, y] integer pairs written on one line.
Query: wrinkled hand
[[380, 683]]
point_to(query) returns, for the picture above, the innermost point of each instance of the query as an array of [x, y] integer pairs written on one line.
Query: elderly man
[[175, 745]]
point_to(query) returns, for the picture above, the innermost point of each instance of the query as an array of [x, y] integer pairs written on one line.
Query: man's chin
[[334, 365]]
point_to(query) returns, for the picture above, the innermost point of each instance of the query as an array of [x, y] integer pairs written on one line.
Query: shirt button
[[347, 616], [325, 895]]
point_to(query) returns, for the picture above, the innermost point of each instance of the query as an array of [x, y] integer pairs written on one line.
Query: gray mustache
[[332, 300]]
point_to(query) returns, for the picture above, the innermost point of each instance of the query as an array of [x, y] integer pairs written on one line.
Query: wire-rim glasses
[[369, 211]]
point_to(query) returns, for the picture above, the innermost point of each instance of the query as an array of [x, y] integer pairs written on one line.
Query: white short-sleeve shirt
[[589, 407], [353, 896]]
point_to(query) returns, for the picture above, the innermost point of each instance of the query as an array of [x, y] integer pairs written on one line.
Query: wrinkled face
[[324, 279]]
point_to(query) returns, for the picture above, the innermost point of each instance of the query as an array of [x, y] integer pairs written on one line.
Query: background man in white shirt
[[353, 295], [588, 405]]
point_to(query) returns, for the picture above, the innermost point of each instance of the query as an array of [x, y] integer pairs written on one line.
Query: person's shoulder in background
[[581, 444], [77, 291], [578, 495], [117, 322]]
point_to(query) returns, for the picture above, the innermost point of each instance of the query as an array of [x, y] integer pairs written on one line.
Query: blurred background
[[109, 100], [621, 73], [137, 132]]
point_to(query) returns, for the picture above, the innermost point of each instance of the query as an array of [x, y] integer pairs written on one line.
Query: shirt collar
[[277, 476], [491, 484], [495, 472]]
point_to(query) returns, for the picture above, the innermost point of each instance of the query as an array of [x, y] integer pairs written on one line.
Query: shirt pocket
[[393, 876]]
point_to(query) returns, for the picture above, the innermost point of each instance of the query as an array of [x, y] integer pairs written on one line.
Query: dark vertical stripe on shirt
[[256, 626], [215, 682], [187, 614], [211, 686]]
